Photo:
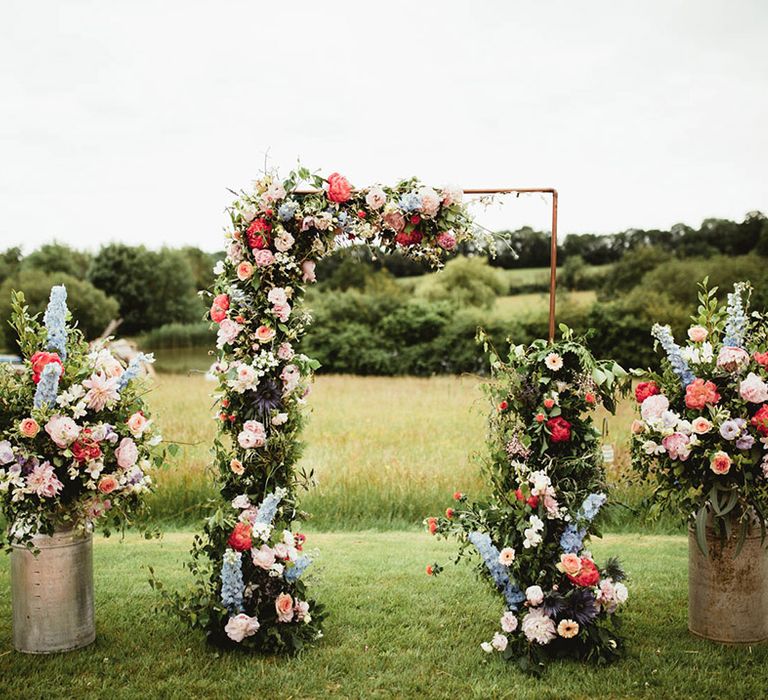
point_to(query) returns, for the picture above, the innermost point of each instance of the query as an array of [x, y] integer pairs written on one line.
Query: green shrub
[[179, 335], [90, 307], [465, 282]]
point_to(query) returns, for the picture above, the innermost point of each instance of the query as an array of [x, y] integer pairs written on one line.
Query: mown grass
[[386, 451], [509, 308], [392, 632]]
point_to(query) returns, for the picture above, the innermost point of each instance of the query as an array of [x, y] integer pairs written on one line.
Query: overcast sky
[[128, 121]]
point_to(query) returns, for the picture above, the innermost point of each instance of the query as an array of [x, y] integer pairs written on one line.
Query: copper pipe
[[553, 244]]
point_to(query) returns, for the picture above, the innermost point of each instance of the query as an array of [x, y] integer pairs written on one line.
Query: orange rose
[[107, 484]]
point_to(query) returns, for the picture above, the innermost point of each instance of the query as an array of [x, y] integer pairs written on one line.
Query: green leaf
[[701, 530]]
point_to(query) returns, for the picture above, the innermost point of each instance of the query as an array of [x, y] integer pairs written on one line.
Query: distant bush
[[90, 307], [465, 282], [178, 335]]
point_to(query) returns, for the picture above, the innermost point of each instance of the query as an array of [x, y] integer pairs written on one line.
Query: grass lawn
[[393, 632]]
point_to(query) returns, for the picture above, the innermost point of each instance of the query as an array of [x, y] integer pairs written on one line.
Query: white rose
[[241, 626], [509, 621], [499, 642], [534, 594]]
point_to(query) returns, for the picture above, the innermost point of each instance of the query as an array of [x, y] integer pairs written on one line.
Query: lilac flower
[[736, 321], [6, 452], [745, 442], [48, 386], [730, 430], [55, 320], [232, 586], [664, 335]]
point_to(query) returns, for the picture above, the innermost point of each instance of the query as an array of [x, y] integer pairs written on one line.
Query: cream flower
[[241, 626], [537, 627], [553, 361], [568, 629], [102, 391]]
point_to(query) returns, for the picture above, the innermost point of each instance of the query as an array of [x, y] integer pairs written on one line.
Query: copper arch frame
[[553, 242]]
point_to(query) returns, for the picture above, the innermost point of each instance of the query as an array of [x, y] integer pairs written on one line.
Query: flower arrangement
[[702, 434], [545, 466], [77, 444], [249, 563]]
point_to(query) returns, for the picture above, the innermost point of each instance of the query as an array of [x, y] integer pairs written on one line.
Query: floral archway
[[249, 562]]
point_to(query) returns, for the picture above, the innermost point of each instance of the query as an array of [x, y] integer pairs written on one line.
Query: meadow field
[[386, 451]]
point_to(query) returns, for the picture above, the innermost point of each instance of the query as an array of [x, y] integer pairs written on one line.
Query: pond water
[[183, 360]]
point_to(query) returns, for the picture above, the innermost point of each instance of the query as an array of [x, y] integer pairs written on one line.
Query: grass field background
[[392, 632]]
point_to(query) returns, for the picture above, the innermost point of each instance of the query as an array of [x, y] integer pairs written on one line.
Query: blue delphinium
[[293, 573], [410, 202], [736, 319], [499, 573], [134, 369], [664, 335], [48, 386], [591, 506], [232, 585], [268, 507], [572, 538], [287, 210], [55, 320]]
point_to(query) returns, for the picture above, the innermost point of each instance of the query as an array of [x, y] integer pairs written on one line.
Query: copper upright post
[[553, 244]]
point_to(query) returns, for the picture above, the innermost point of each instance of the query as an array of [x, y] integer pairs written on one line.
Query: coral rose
[[284, 607], [40, 360], [588, 574], [559, 429], [699, 393], [244, 271], [107, 484], [645, 389], [217, 314], [720, 463], [762, 359], [240, 539], [339, 189]]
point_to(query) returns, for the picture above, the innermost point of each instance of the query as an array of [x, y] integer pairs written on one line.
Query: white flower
[[537, 627], [541, 483], [280, 419], [218, 268], [534, 595], [532, 538], [241, 626], [621, 592], [506, 556], [102, 391], [553, 361], [284, 241], [452, 194], [499, 642], [376, 198], [241, 501], [654, 407], [509, 621], [652, 448]]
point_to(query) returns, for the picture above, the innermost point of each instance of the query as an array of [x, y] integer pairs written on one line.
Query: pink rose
[[29, 427], [720, 463], [284, 241], [107, 484], [701, 425], [308, 271], [244, 271], [302, 609], [277, 295], [263, 257], [698, 334], [254, 426], [265, 334], [452, 195], [677, 446], [228, 331], [395, 221], [291, 377], [284, 607], [731, 358], [282, 311], [127, 453], [446, 240], [339, 189], [753, 389], [376, 198]]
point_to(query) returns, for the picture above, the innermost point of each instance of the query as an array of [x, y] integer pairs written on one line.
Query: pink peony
[[375, 198], [282, 311], [509, 622], [677, 446], [62, 430], [731, 358], [127, 453], [446, 240], [753, 389], [339, 189], [263, 258], [263, 557], [430, 201], [228, 331], [285, 351]]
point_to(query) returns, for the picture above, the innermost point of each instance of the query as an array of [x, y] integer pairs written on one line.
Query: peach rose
[[308, 271], [237, 467], [701, 425], [107, 484], [284, 607], [698, 334], [137, 424], [570, 564], [263, 257], [720, 463], [244, 271], [265, 334], [29, 427], [637, 427]]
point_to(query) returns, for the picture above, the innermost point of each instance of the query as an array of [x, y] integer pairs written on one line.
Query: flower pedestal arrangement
[[702, 439], [52, 592], [76, 450], [728, 592], [547, 481]]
